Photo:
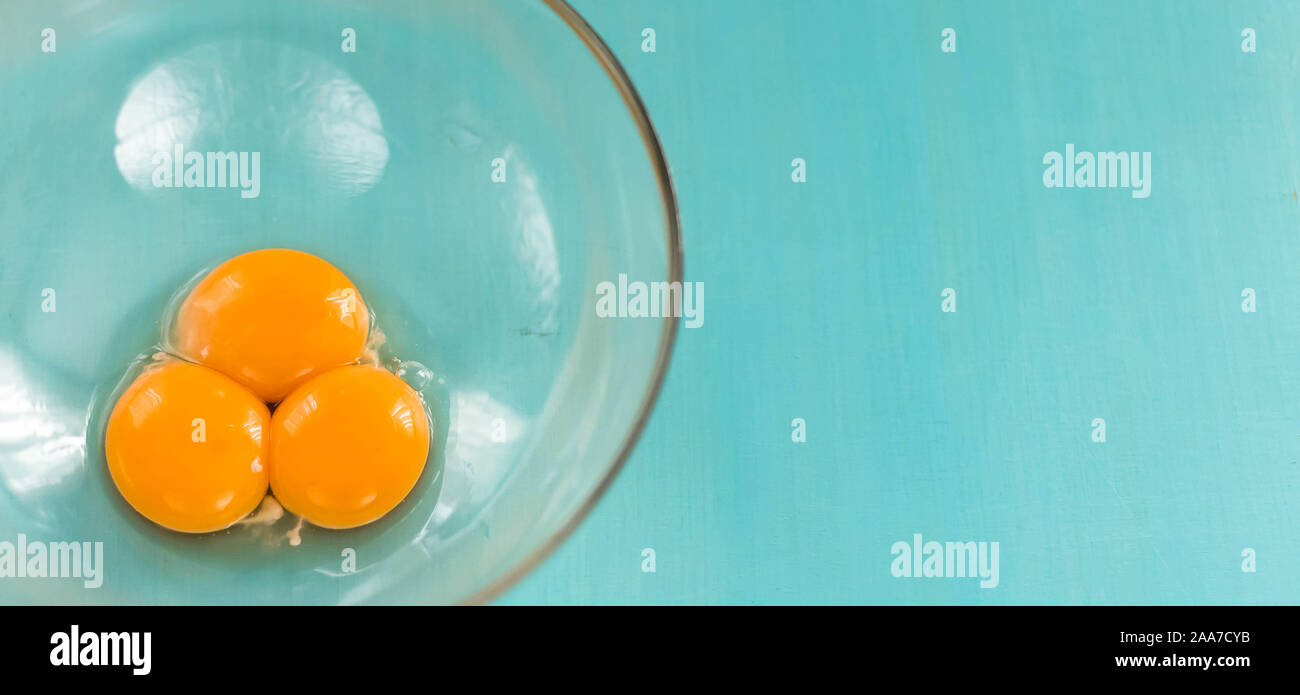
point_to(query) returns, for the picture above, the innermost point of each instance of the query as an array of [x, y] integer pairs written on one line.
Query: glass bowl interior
[[476, 168]]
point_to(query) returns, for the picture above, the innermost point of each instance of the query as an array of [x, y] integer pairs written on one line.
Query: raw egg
[[347, 446], [187, 447], [271, 319]]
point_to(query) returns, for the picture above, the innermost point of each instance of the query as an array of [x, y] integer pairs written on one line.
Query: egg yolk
[[271, 319], [187, 447], [347, 446]]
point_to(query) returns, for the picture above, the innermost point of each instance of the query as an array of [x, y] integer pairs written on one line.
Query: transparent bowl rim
[[667, 337]]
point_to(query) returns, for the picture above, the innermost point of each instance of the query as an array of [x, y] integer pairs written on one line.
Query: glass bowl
[[476, 168]]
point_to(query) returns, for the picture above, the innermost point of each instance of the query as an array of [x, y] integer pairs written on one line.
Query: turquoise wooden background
[[924, 172]]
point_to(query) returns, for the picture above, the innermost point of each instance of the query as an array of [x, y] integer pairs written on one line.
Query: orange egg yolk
[[347, 446], [272, 319], [187, 447]]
